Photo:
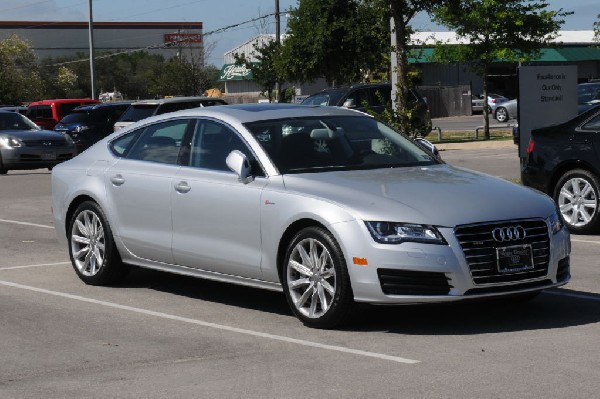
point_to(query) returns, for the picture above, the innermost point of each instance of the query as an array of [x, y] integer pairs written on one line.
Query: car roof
[[245, 113], [90, 107], [62, 100], [174, 100]]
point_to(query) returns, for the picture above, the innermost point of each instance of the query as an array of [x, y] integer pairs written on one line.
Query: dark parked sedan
[[24, 146], [564, 162], [89, 123]]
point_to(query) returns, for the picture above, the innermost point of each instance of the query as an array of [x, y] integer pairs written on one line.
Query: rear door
[[140, 186], [589, 134]]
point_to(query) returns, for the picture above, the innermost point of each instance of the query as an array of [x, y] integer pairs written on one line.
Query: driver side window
[[211, 143]]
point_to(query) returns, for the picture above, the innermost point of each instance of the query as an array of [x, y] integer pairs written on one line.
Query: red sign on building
[[183, 38]]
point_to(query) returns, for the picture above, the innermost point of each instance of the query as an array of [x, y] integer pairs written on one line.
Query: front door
[[216, 218]]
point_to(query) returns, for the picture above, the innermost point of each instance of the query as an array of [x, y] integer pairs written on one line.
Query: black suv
[[90, 123], [564, 162], [377, 96]]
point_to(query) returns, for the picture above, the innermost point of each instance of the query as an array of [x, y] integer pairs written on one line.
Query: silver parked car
[[23, 145], [326, 204]]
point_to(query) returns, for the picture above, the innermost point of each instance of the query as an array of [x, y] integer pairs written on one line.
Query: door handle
[[182, 187], [117, 180]]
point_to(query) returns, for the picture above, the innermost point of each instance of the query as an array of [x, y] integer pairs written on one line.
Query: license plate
[[49, 156], [514, 259]]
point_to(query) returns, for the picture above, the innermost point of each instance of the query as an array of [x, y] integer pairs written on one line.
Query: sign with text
[[174, 38], [547, 96]]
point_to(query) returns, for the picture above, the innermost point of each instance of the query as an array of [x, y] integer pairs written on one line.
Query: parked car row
[[29, 142]]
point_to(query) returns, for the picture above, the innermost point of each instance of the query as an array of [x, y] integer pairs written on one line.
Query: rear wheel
[[316, 281], [577, 194], [501, 114], [3, 170], [92, 249]]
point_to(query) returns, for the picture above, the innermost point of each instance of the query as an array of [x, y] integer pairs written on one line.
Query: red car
[[47, 113]]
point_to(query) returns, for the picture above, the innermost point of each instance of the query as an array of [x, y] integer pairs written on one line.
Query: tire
[[316, 281], [3, 170], [92, 249], [577, 195], [501, 114]]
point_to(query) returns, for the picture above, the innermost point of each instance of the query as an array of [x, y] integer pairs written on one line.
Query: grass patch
[[455, 136]]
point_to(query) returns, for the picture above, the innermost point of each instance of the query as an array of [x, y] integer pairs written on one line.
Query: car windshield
[[315, 144], [331, 97], [15, 121], [138, 112], [588, 93]]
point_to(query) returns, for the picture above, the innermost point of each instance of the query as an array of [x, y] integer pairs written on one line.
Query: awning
[[549, 54]]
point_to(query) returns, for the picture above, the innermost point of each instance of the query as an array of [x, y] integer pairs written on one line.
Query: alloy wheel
[[578, 201], [88, 243], [311, 278]]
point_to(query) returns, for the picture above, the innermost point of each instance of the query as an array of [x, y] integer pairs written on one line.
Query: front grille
[[410, 282], [46, 143], [479, 247]]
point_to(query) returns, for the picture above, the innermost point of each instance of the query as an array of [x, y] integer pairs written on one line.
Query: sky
[[216, 14]]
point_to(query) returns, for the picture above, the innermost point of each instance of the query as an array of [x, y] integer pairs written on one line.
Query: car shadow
[[556, 308], [208, 290]]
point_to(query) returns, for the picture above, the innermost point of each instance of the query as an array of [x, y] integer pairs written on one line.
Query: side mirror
[[349, 103], [239, 164], [429, 146]]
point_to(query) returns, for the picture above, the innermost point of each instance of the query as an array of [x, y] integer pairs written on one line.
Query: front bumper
[[35, 157], [411, 273]]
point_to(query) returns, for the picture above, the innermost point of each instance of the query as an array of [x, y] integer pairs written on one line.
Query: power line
[[162, 45]]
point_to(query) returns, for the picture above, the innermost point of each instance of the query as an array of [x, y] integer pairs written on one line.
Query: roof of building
[[564, 37]]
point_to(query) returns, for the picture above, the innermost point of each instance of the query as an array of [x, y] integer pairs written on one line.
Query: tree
[[402, 12], [512, 30], [19, 76], [264, 70], [328, 38], [597, 29]]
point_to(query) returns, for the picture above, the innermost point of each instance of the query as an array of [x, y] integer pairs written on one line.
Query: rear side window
[[39, 111], [381, 95], [160, 142], [138, 112], [177, 106]]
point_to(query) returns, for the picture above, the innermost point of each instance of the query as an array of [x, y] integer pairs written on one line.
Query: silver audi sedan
[[326, 204]]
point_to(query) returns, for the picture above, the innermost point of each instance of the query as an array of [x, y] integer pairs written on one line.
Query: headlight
[[10, 142], [81, 128], [556, 223], [396, 233], [69, 139]]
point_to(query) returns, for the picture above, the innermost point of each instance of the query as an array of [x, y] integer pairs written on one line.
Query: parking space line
[[38, 265], [167, 316], [26, 224]]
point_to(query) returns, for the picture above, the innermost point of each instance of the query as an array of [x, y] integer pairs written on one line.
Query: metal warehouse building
[[58, 39]]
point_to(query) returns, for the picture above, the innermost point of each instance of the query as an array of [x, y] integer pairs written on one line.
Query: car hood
[[440, 195], [33, 134]]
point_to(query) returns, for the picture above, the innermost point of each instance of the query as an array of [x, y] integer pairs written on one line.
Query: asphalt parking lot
[[159, 335]]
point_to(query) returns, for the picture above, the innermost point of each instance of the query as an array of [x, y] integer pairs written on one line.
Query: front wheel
[[316, 281], [577, 197], [501, 114], [92, 249]]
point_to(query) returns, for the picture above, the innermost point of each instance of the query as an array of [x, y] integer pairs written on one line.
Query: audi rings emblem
[[512, 233]]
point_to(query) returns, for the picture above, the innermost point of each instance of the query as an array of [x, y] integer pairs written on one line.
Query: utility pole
[[277, 40], [91, 30]]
